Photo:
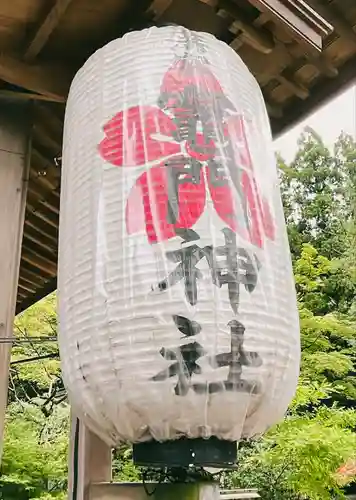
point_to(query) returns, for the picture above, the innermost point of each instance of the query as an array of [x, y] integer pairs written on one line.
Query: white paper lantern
[[177, 308]]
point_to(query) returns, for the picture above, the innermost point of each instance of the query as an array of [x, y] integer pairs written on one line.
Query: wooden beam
[[324, 65], [274, 110], [39, 248], [211, 3], [27, 96], [297, 89], [49, 287], [46, 29], [53, 124], [237, 43], [28, 282], [21, 294], [258, 38], [44, 266], [303, 24], [32, 248], [44, 164], [52, 196], [14, 166], [48, 217], [22, 285], [157, 8], [23, 278], [262, 19], [46, 183], [319, 60], [36, 237], [32, 273], [32, 220], [46, 200], [340, 24], [51, 81], [319, 95], [280, 72], [315, 57], [43, 136], [30, 276]]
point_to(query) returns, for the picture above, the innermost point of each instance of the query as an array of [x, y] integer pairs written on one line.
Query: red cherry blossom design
[[151, 192], [130, 137], [190, 73], [142, 135]]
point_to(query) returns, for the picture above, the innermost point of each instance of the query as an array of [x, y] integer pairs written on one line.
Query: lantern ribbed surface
[[177, 307]]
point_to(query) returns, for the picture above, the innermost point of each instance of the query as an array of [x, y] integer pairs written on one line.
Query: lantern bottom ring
[[184, 452]]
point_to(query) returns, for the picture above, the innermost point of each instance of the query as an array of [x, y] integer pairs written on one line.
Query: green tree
[[34, 463], [300, 457], [318, 190]]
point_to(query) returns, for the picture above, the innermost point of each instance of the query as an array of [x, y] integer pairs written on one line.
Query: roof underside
[[44, 42]]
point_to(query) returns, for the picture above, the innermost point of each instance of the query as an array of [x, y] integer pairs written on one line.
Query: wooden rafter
[[274, 110], [53, 124], [46, 167], [27, 96], [318, 95], [38, 238], [41, 181], [264, 43], [47, 255], [25, 279], [297, 89], [324, 65], [51, 81], [30, 276], [340, 24], [157, 8], [49, 286], [42, 135], [27, 287], [41, 263], [302, 22], [258, 38], [47, 202], [40, 226], [45, 215], [303, 72], [46, 29], [211, 3], [21, 293]]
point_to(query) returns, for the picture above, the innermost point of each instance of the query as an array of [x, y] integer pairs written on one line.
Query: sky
[[329, 121]]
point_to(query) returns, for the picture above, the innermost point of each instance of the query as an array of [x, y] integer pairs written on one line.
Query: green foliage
[[318, 194], [300, 457], [36, 381], [123, 467], [310, 271], [34, 463]]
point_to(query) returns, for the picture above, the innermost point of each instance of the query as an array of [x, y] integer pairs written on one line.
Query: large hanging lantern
[[178, 313]]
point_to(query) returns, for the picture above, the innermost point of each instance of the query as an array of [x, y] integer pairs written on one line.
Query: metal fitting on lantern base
[[185, 452]]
